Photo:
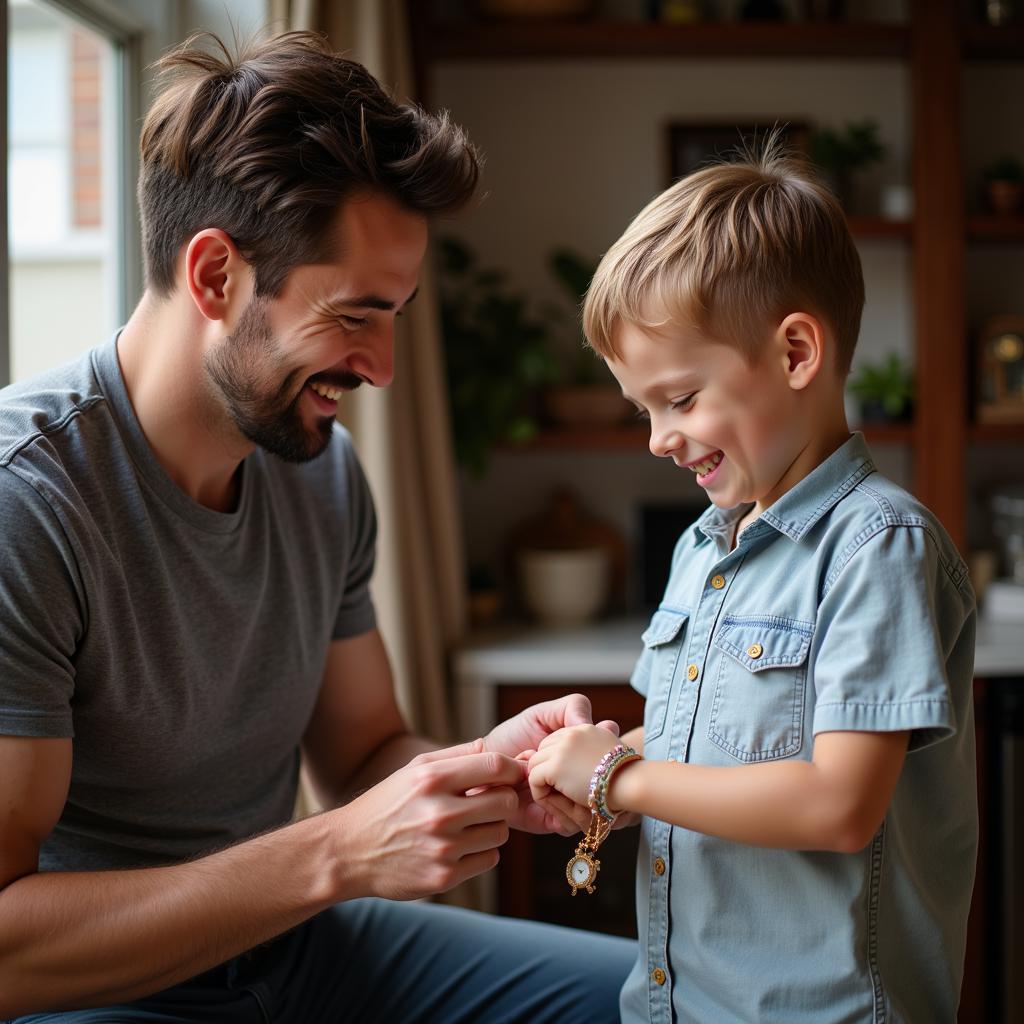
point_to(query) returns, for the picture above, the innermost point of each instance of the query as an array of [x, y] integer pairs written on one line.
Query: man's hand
[[523, 734], [432, 824]]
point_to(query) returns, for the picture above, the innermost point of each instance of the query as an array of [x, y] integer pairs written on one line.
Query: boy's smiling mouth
[[704, 465]]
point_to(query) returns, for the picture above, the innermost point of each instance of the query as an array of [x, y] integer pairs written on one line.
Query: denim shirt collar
[[803, 504]]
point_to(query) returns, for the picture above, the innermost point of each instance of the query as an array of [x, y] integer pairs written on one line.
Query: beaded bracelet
[[610, 763]]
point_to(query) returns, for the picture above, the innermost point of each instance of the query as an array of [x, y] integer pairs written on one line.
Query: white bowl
[[564, 588]]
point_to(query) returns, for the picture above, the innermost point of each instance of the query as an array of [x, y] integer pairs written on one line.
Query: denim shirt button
[[755, 650], [659, 866], [659, 976], [718, 582], [692, 672]]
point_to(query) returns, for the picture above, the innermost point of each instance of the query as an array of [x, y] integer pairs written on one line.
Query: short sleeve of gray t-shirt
[[180, 647]]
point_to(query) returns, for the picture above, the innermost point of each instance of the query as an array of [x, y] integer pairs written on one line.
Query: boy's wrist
[[621, 794]]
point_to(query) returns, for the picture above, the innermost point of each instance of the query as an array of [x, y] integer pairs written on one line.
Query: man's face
[[734, 425], [281, 372]]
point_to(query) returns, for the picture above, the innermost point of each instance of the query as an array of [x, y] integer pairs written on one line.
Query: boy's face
[[738, 427]]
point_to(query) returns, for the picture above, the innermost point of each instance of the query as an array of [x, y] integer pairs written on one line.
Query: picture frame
[[1000, 370], [692, 144]]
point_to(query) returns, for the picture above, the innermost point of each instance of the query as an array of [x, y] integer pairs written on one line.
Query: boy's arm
[[835, 802]]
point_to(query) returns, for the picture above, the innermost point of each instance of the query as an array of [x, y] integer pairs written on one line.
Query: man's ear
[[218, 279], [801, 340]]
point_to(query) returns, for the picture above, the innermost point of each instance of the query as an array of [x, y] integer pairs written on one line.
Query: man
[[187, 544]]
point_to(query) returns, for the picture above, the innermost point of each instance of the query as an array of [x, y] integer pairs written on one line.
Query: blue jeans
[[372, 960]]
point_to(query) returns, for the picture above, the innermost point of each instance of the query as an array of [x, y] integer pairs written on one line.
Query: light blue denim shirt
[[845, 606]]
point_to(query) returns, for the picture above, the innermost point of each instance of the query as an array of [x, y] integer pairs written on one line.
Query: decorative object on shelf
[[999, 12], [897, 202], [680, 12], [884, 390], [1008, 526], [498, 357], [569, 565], [1004, 186], [485, 599], [587, 394], [536, 9], [564, 588], [692, 144], [1001, 370], [840, 153]]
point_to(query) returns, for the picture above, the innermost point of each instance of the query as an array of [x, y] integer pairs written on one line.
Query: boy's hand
[[566, 760]]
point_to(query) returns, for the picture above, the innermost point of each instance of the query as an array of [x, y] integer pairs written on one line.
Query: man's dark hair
[[267, 145]]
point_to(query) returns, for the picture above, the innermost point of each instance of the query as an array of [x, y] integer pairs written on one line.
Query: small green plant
[[885, 389], [574, 274], [497, 355], [841, 153], [851, 148], [1006, 168]]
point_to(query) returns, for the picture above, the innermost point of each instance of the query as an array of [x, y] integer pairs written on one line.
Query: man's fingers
[[460, 774], [567, 812], [459, 750], [577, 710]]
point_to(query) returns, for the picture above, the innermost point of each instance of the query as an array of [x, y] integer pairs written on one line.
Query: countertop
[[604, 653]]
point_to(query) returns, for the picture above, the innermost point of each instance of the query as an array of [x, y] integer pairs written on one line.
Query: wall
[[574, 150]]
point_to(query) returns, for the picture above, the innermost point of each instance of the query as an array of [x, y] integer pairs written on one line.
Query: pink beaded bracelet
[[610, 763]]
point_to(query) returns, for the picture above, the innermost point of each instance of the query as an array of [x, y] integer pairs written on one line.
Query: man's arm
[[357, 735], [75, 939]]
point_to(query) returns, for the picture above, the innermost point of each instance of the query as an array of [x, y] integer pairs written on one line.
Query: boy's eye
[[684, 403], [641, 414]]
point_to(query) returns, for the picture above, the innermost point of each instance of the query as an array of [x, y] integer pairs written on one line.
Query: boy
[[807, 784]]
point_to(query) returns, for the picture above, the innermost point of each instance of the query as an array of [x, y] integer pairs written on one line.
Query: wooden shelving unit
[[934, 44], [567, 40]]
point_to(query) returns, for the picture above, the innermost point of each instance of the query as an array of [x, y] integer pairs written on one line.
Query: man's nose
[[377, 364]]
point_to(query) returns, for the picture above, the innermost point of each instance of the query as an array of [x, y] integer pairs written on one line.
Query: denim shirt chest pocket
[[663, 640], [757, 713]]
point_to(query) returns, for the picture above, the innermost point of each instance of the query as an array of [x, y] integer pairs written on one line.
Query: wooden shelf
[[990, 228], [627, 437], [879, 227], [998, 433], [985, 42], [582, 39], [887, 433]]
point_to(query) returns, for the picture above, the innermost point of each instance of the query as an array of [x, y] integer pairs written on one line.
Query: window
[[63, 207]]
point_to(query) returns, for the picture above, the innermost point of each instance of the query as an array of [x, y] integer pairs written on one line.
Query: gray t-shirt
[[182, 648]]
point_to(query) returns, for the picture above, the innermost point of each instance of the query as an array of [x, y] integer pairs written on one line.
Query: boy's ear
[[218, 279], [801, 340]]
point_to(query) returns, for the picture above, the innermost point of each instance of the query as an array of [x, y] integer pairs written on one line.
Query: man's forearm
[[394, 753], [70, 939]]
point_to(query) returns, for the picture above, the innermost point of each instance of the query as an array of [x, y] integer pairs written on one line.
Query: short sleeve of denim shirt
[[883, 628]]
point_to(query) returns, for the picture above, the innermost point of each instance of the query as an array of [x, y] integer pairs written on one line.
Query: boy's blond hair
[[730, 250]]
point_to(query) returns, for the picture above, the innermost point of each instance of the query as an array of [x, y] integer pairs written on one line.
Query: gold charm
[[581, 871]]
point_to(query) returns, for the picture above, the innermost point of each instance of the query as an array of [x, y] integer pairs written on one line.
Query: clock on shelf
[[1001, 370]]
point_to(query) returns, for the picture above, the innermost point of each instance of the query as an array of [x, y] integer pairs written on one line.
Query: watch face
[[581, 871]]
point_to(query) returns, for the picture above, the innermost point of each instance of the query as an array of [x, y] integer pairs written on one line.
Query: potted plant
[[1004, 185], [885, 390], [586, 393], [840, 153], [497, 357]]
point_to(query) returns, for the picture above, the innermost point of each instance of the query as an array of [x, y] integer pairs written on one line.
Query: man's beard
[[244, 370]]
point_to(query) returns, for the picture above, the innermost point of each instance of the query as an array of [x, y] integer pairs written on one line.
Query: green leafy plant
[[497, 355], [851, 148], [840, 153], [885, 389], [1006, 168], [574, 274]]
